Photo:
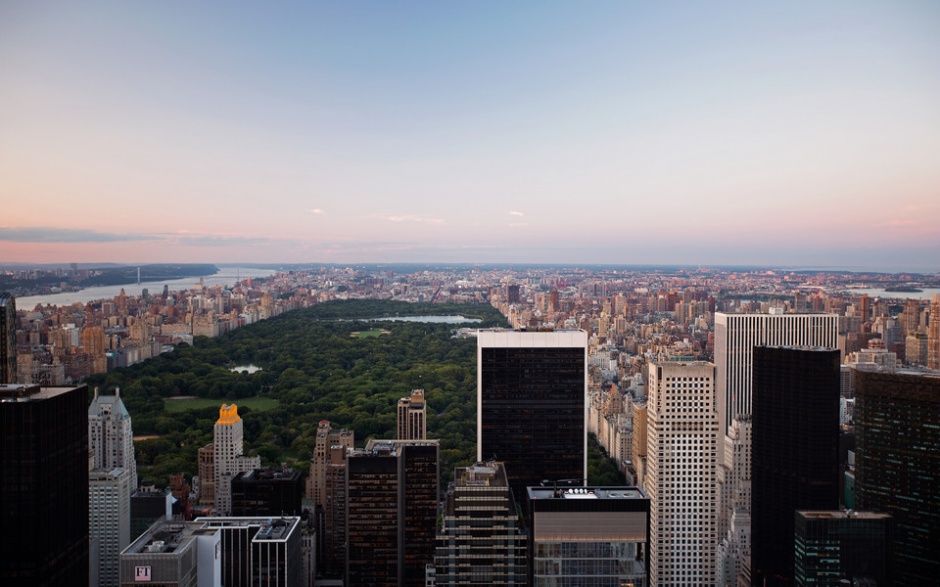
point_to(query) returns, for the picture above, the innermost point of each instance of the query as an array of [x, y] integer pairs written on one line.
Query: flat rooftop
[[269, 529], [841, 515], [164, 538], [585, 493], [19, 392], [490, 474]]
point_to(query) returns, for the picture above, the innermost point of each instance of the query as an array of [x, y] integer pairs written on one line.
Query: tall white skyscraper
[[736, 335], [111, 482], [110, 437], [229, 456], [682, 461]]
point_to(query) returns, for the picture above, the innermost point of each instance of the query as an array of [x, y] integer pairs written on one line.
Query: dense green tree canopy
[[316, 368]]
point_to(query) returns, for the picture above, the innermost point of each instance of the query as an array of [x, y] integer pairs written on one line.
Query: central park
[[329, 362]]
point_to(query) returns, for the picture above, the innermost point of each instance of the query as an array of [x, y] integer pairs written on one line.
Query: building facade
[[229, 448], [232, 551], [795, 450], [482, 540], [412, 416], [7, 338], [259, 551], [110, 434], [109, 521], [736, 335], [532, 405], [834, 546], [112, 480], [43, 486], [327, 438], [933, 334], [594, 536], [266, 492], [391, 512], [897, 465], [681, 471]]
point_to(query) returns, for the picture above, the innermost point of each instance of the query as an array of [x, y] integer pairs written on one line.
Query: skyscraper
[[266, 492], [43, 486], [230, 551], [110, 436], [228, 445], [795, 450], [205, 468], [897, 465], [682, 463], [326, 487], [593, 536], [109, 520], [412, 416], [7, 338], [736, 335], [531, 405], [326, 439], [112, 480], [735, 528], [482, 541], [830, 546], [933, 334], [391, 512]]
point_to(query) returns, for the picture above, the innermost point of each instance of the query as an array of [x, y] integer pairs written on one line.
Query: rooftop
[[18, 392], [269, 529], [489, 474], [842, 515], [585, 493], [163, 538]]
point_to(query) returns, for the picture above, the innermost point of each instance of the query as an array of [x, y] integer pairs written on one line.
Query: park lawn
[[260, 404], [374, 333]]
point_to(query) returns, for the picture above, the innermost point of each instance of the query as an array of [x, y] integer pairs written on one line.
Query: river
[[927, 294], [225, 276]]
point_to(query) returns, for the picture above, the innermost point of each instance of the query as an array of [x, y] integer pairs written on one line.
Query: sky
[[714, 133]]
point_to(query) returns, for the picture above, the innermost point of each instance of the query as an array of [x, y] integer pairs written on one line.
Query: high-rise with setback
[[112, 480], [326, 487], [229, 447], [482, 540], [531, 405], [412, 416]]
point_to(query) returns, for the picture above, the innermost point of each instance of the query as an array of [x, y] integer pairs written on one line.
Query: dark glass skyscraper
[[266, 492], [897, 466], [837, 545], [391, 512], [7, 338], [43, 486], [795, 450], [531, 394]]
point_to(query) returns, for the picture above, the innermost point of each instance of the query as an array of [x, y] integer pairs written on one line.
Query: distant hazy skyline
[[799, 133]]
